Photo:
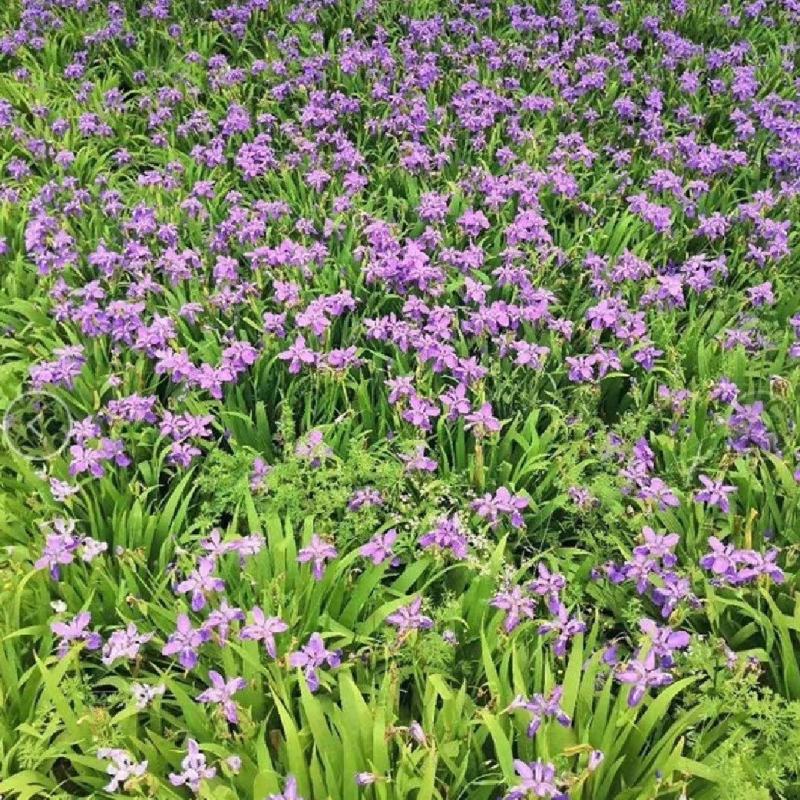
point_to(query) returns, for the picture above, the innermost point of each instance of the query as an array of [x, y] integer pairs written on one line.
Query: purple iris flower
[[311, 657], [264, 629], [409, 618], [185, 642], [221, 693], [201, 583], [318, 551]]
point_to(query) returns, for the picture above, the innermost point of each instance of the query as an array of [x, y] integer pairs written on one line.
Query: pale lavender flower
[[90, 549], [447, 535], [516, 605], [311, 657], [76, 630], [299, 355], [722, 559], [220, 619], [318, 551], [264, 629], [123, 767], [62, 490], [185, 642], [258, 473], [201, 582], [491, 508], [418, 461], [596, 758], [124, 644], [379, 548], [417, 733], [59, 548], [642, 674], [313, 448], [194, 769], [409, 618], [483, 421], [656, 490], [221, 692], [365, 498], [548, 584], [565, 626], [663, 640], [658, 546], [542, 708], [537, 779], [760, 564], [715, 493], [234, 764]]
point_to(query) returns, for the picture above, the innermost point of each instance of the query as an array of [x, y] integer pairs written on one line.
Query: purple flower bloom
[[656, 490], [503, 502], [221, 692], [674, 588], [663, 640], [760, 564], [313, 448], [409, 618], [144, 694], [642, 675], [379, 548], [76, 631], [59, 549], [548, 584], [124, 644], [194, 769], [122, 769], [417, 733], [185, 642], [541, 708], [721, 560], [715, 493], [319, 551], [264, 629], [220, 619], [420, 411], [298, 355], [201, 583], [748, 429], [311, 657], [473, 222], [419, 462], [537, 779], [482, 421], [447, 535], [565, 626], [84, 459], [516, 605], [761, 295], [657, 546], [259, 472], [737, 567], [365, 498]]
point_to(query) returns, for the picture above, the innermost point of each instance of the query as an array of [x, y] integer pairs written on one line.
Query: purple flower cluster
[[539, 261], [736, 567]]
